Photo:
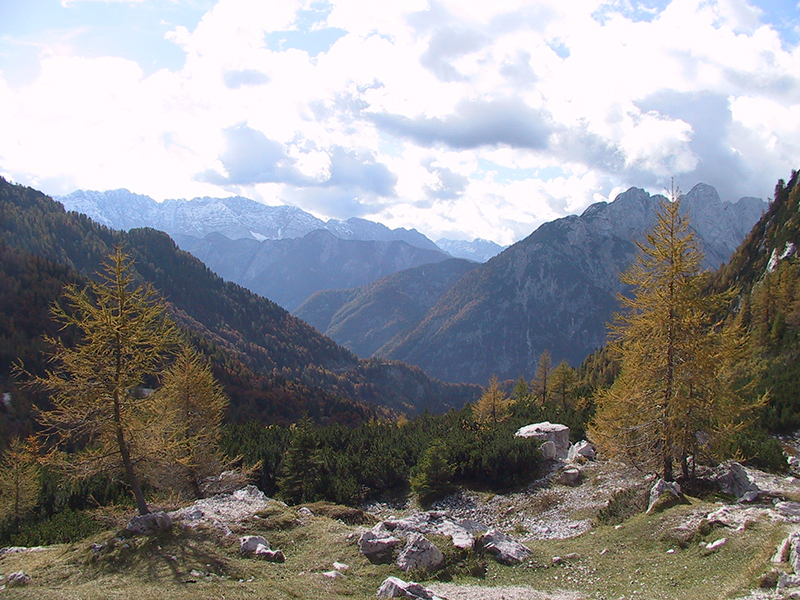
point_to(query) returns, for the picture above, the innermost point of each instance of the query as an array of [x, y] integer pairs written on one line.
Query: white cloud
[[474, 119]]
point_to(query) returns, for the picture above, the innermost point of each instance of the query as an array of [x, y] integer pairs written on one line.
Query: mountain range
[[280, 252], [392, 298], [554, 291], [241, 218], [273, 365], [288, 271]]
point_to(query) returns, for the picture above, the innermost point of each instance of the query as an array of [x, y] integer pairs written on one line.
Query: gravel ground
[[545, 510], [452, 591]]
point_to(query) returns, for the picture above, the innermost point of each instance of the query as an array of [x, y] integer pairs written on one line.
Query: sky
[[461, 118]]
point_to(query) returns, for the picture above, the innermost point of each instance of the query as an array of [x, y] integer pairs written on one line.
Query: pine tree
[[301, 468], [676, 381], [432, 478], [20, 479], [96, 386], [492, 407]]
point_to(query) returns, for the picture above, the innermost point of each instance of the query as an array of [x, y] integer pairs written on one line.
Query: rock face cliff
[[556, 289]]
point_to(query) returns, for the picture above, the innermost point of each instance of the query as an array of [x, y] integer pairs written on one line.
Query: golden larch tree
[[99, 409], [675, 388]]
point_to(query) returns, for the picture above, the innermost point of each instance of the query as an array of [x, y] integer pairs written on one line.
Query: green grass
[[160, 568]]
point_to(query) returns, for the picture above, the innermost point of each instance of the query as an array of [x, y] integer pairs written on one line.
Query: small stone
[[333, 575], [304, 511], [557, 560], [250, 543], [570, 476], [714, 546], [19, 578], [671, 551], [340, 566]]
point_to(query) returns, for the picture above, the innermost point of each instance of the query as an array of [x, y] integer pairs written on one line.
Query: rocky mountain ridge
[[556, 289], [236, 218]]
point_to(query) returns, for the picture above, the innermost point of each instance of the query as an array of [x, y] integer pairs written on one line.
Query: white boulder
[[394, 587], [419, 554], [504, 549], [548, 432], [583, 449]]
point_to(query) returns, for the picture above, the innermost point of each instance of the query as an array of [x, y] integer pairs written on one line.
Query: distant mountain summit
[[478, 250], [235, 218], [556, 289]]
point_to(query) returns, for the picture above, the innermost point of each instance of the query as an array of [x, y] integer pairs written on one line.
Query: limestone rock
[[549, 451], [19, 578], [570, 476], [794, 551], [548, 432], [782, 552], [663, 495], [419, 554], [788, 581], [504, 549], [715, 545], [788, 508], [377, 547], [333, 575], [259, 547], [249, 543], [732, 479], [149, 524], [393, 587], [581, 449]]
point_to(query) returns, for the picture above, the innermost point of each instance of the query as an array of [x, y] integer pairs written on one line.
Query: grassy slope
[[631, 561]]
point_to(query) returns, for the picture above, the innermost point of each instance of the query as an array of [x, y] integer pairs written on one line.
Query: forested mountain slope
[[366, 318], [265, 352], [766, 271]]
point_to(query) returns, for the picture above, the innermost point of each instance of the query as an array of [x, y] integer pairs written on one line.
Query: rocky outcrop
[[548, 432], [732, 479], [556, 289], [149, 524], [664, 494], [419, 554], [377, 545], [393, 587], [504, 549], [224, 511], [462, 533]]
